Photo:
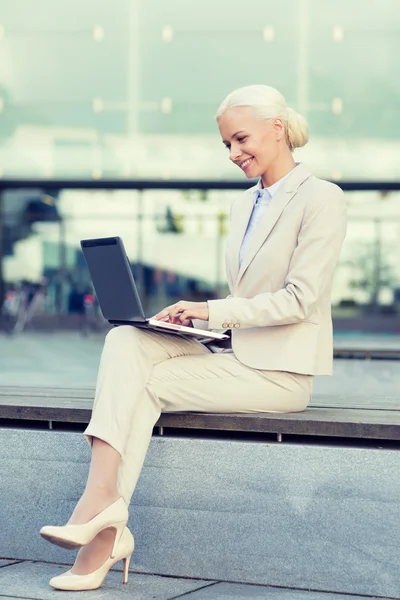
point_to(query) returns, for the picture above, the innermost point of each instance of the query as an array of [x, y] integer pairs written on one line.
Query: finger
[[179, 318], [174, 318], [187, 314], [164, 312], [176, 310], [187, 323], [161, 315]]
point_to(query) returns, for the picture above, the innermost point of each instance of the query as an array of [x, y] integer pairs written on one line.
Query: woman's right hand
[[183, 312]]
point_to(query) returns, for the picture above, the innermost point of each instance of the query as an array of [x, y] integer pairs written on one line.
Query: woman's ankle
[[91, 504], [100, 494]]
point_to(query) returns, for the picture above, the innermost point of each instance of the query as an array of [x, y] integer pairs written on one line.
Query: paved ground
[[67, 359], [29, 580]]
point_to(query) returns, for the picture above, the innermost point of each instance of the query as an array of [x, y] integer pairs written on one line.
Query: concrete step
[[310, 517]]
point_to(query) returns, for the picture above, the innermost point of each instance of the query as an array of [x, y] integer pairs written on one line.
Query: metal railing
[[175, 184], [56, 185]]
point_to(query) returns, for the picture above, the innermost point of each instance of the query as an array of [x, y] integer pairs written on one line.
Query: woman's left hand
[[183, 312]]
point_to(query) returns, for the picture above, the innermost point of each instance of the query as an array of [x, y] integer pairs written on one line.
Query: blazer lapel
[[237, 230], [273, 212]]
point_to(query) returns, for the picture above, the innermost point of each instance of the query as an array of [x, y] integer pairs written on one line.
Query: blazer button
[[224, 325], [237, 325], [230, 325]]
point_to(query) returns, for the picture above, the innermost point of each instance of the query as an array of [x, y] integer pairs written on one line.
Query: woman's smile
[[245, 164]]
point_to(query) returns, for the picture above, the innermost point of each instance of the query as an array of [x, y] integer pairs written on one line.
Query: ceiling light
[[98, 33], [268, 34], [166, 105], [167, 34]]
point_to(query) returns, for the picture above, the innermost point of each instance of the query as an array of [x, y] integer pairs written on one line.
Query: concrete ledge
[[298, 516]]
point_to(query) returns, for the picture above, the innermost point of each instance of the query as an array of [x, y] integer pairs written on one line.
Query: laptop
[[117, 293]]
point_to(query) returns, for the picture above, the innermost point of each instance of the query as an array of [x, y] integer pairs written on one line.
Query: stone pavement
[[29, 580], [66, 359]]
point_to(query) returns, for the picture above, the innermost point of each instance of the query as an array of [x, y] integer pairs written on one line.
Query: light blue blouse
[[262, 199]]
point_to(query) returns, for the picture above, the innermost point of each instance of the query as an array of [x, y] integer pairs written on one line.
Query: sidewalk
[[29, 581]]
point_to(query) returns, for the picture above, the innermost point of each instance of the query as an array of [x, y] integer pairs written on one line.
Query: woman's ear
[[279, 128]]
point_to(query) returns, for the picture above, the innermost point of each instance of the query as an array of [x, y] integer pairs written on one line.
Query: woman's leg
[[202, 383], [205, 383], [215, 383], [121, 411], [101, 486], [127, 360]]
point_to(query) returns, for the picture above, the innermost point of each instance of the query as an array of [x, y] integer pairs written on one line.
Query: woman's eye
[[241, 139]]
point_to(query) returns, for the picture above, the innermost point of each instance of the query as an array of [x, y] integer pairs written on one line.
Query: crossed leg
[[143, 374]]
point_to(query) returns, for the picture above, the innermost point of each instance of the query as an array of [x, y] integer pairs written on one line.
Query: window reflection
[[175, 241]]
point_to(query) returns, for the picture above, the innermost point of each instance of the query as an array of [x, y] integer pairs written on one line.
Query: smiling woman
[[260, 131], [283, 245]]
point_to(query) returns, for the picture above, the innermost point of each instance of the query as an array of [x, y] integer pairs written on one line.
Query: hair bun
[[297, 129]]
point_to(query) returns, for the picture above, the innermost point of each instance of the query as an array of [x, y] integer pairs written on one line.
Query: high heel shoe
[[74, 536], [92, 581]]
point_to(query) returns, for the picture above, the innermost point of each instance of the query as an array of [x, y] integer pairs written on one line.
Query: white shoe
[[77, 583], [76, 536]]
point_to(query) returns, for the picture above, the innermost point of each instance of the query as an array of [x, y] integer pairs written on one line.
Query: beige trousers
[[143, 373]]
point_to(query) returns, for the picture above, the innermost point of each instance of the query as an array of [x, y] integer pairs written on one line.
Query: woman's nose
[[234, 153]]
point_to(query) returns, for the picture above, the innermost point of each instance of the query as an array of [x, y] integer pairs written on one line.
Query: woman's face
[[253, 143]]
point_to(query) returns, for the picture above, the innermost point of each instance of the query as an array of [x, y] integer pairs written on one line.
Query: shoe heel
[[126, 562], [119, 528]]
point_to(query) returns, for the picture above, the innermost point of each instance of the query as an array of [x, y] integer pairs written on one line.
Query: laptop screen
[[112, 279]]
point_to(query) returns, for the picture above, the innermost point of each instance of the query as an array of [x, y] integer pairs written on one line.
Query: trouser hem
[[106, 436]]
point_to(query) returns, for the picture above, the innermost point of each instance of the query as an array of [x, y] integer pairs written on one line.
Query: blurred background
[[107, 128]]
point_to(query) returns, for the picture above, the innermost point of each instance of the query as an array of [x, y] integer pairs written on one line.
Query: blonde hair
[[268, 103]]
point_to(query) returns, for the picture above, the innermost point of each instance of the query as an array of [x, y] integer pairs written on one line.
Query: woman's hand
[[183, 312]]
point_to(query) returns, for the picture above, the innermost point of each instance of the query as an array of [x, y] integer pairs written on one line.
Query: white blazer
[[279, 308]]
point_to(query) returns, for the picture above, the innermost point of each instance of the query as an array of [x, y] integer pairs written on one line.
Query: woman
[[284, 242]]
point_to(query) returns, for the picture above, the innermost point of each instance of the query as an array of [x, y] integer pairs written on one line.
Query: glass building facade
[[127, 89]]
